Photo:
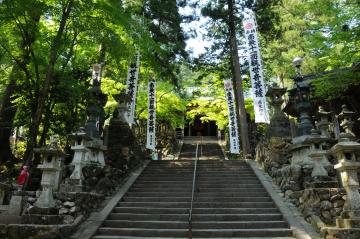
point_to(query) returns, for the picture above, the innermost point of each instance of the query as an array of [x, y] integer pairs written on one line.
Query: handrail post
[[193, 192]]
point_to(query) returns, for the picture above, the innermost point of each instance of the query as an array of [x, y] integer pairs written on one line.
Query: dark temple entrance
[[199, 128]]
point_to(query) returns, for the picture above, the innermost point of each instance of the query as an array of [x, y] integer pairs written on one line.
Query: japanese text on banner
[[151, 122], [131, 90], [256, 68], [233, 125]]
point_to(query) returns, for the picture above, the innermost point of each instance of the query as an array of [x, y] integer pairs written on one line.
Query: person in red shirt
[[23, 176]]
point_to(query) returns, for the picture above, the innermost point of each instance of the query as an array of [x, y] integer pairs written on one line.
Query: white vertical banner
[[151, 121], [256, 68], [233, 125], [131, 89]]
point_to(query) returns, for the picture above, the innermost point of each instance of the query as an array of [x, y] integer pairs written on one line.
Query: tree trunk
[[7, 115], [55, 47], [8, 108], [238, 81]]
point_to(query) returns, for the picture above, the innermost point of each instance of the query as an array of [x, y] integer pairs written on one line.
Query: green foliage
[[209, 102], [170, 107], [102, 31], [325, 33]]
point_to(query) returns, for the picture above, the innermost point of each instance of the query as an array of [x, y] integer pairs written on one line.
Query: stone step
[[157, 217], [224, 210], [233, 204], [232, 199], [183, 188], [160, 189], [146, 224], [155, 210], [199, 174], [224, 175], [156, 199], [234, 179], [163, 183], [198, 199], [151, 210], [149, 233], [159, 194], [239, 225], [263, 232], [207, 233], [199, 194], [237, 217], [228, 181], [130, 237], [198, 204], [164, 179], [155, 204], [195, 225], [232, 186]]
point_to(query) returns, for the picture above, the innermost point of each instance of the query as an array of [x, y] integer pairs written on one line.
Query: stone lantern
[[53, 157], [346, 121], [81, 155], [323, 123], [347, 153], [299, 100], [279, 123], [318, 154]]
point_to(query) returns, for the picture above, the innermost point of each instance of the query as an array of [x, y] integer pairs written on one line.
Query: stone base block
[[340, 233], [42, 219], [10, 219], [320, 184], [67, 187], [348, 223], [43, 211]]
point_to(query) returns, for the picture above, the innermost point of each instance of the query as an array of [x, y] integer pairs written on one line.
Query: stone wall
[[319, 201]]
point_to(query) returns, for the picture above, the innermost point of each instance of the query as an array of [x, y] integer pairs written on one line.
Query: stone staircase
[[230, 202]]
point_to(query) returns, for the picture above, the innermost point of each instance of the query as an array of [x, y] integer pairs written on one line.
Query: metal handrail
[[193, 192]]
